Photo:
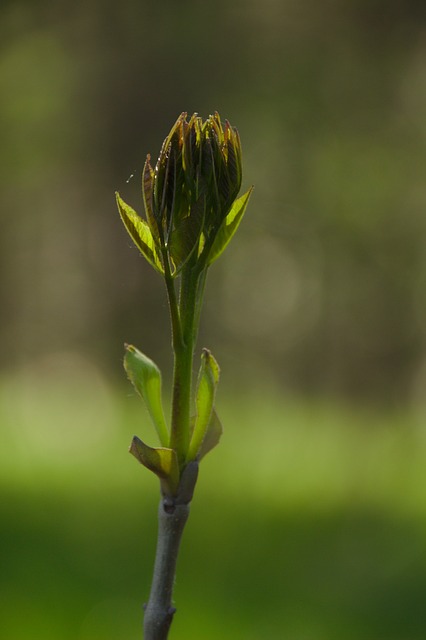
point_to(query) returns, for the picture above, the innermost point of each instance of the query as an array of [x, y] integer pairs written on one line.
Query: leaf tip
[[133, 448]]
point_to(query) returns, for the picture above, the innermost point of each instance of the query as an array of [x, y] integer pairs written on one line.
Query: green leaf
[[229, 226], [145, 376], [162, 461], [147, 194], [213, 435], [208, 379], [140, 233]]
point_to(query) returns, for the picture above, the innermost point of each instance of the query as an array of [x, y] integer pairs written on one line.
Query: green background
[[309, 519]]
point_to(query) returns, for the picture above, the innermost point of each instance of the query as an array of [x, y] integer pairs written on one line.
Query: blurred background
[[309, 522]]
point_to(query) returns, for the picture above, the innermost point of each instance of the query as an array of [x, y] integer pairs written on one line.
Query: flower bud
[[191, 191]]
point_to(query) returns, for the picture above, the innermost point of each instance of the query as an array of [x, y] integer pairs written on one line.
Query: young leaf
[[145, 376], [185, 234], [213, 435], [140, 233], [229, 226], [162, 461], [147, 195], [208, 379]]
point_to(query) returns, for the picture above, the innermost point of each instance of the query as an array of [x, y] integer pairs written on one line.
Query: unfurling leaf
[[229, 226], [147, 195], [145, 376], [140, 233], [162, 461], [185, 235], [208, 379]]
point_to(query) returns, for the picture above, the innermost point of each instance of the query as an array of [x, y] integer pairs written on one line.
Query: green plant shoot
[[192, 210]]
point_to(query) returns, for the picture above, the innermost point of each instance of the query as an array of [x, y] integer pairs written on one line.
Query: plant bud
[[191, 191]]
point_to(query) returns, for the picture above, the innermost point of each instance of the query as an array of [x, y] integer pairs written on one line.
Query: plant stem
[[181, 402], [173, 304], [183, 363], [173, 511], [159, 611], [172, 516]]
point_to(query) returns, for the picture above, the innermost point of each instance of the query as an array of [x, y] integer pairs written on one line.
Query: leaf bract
[[140, 233], [212, 436], [208, 379], [229, 226], [162, 461], [145, 376]]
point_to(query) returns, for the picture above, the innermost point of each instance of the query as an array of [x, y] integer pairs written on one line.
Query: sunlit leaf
[[140, 233], [145, 376], [208, 379], [147, 194], [229, 226], [162, 461]]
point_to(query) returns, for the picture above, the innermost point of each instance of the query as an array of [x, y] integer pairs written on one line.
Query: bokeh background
[[309, 521]]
